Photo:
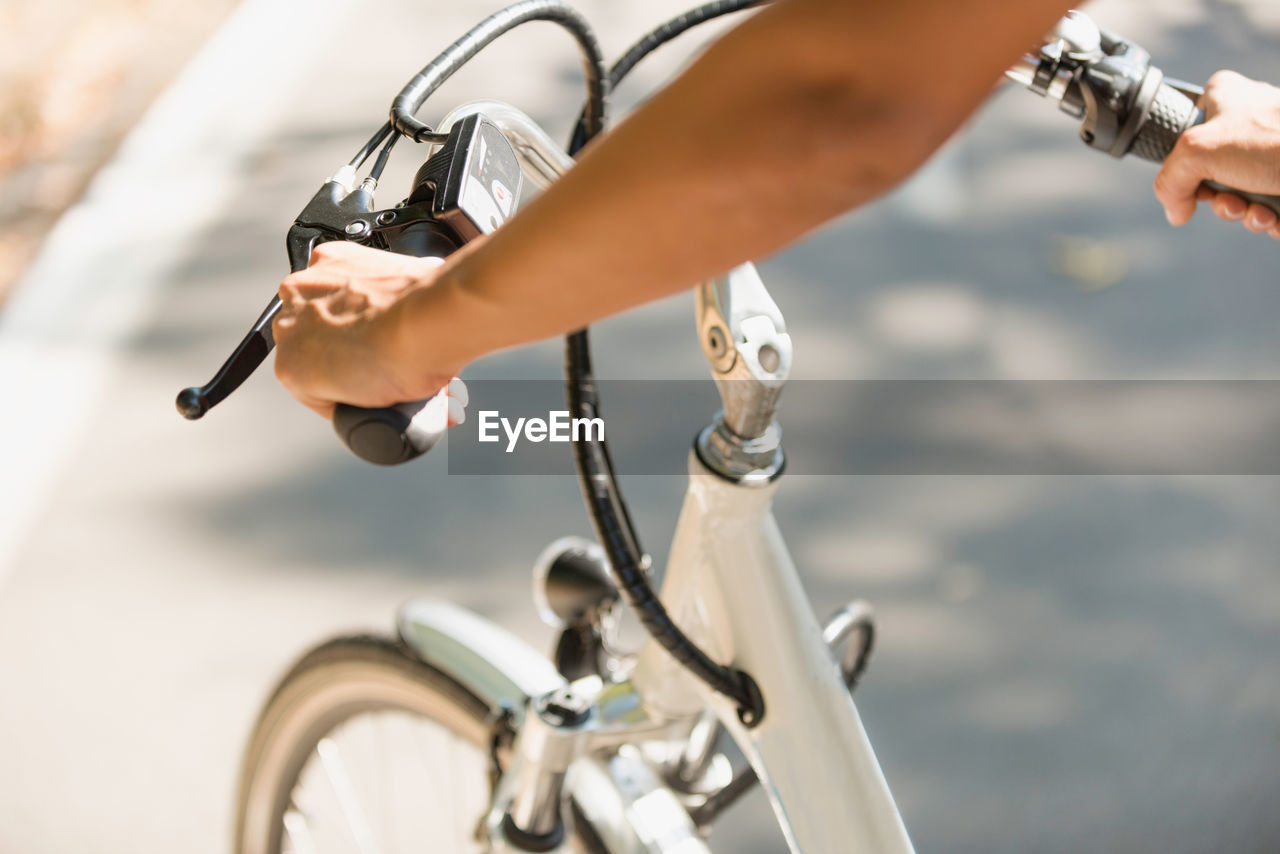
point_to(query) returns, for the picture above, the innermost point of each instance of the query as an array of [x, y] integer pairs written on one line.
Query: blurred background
[[1065, 663], [74, 76]]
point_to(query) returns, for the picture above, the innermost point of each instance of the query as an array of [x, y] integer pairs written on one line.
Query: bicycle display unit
[[454, 735]]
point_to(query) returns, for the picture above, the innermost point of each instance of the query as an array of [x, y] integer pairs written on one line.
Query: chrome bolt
[[386, 217], [357, 228]]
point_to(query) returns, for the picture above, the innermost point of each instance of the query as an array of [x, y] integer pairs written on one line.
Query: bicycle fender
[[489, 661]]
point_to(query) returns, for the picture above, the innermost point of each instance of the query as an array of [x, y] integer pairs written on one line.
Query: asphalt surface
[[1065, 663]]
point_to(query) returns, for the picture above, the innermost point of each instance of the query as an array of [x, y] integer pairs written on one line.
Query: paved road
[[1066, 663]]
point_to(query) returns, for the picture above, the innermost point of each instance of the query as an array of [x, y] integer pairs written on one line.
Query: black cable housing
[[616, 533], [655, 39], [665, 32], [383, 156], [374, 141], [600, 489], [440, 69]]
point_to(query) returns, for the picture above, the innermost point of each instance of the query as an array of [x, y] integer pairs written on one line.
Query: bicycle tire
[[327, 690]]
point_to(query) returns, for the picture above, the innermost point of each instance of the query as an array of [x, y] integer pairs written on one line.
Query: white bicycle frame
[[731, 586]]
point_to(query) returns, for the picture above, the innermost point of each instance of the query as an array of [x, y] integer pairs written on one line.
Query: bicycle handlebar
[[1125, 102]]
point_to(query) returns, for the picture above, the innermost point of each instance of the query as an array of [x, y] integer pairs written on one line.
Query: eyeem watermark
[[921, 427], [556, 427]]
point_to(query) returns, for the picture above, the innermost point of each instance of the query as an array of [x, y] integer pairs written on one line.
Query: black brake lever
[[195, 401], [384, 436], [254, 348]]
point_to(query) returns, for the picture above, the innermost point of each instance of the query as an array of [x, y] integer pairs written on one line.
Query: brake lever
[[194, 402], [336, 212], [252, 351]]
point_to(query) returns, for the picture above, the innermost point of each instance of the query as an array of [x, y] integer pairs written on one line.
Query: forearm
[[804, 111]]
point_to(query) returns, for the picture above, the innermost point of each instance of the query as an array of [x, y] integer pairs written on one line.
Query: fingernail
[[1168, 214], [457, 415]]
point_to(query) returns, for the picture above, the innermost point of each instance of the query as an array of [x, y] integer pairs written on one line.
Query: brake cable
[[436, 72], [600, 490]]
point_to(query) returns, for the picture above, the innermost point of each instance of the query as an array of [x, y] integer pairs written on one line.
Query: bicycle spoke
[[389, 782], [386, 781], [455, 782], [295, 828], [340, 781], [422, 737]]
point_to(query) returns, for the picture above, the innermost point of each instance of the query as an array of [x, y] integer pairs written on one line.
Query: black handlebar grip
[[393, 434], [1171, 114]]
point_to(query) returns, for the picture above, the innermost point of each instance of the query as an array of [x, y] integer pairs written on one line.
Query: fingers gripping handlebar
[[1172, 113], [1126, 105]]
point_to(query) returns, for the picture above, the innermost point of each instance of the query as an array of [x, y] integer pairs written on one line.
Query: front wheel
[[365, 748]]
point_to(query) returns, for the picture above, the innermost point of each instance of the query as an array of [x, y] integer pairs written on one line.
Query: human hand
[[337, 334], [1238, 145]]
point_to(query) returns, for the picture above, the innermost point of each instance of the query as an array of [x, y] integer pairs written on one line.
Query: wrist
[[436, 328]]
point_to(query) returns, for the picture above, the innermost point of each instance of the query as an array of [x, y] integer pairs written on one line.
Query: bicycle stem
[[744, 338]]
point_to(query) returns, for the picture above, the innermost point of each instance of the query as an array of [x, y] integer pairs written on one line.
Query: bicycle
[[594, 749]]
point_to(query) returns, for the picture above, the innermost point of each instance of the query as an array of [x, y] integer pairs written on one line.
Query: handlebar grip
[[1171, 114], [392, 434], [396, 434]]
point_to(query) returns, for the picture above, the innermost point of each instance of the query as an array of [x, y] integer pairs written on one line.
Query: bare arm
[[806, 110]]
